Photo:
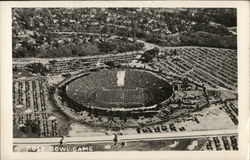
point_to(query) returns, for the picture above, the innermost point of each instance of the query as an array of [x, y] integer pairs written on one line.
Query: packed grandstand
[[102, 89]]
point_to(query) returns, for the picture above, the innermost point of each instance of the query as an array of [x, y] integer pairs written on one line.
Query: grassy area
[[200, 38], [208, 40], [19, 73], [64, 121], [17, 133]]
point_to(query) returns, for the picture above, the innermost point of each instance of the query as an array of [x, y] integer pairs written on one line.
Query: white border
[[243, 80]]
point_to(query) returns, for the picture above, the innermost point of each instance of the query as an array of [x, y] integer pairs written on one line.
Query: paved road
[[46, 60], [134, 137]]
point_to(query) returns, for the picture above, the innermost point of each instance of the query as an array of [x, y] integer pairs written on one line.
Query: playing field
[[119, 88], [127, 96]]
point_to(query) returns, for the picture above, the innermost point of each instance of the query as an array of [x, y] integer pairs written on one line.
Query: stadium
[[116, 92]]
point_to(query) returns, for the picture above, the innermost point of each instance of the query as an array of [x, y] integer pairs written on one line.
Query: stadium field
[[127, 96], [126, 88]]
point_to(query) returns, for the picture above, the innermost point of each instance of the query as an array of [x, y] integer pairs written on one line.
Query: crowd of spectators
[[83, 90]]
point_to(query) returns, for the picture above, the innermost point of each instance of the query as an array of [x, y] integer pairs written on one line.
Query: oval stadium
[[117, 91]]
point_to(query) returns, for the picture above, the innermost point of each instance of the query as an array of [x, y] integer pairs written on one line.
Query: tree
[[34, 127], [53, 62], [149, 55], [74, 52], [24, 129], [105, 47], [37, 68], [111, 64]]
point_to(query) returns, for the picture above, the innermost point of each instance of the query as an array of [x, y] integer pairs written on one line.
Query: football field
[[121, 96]]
